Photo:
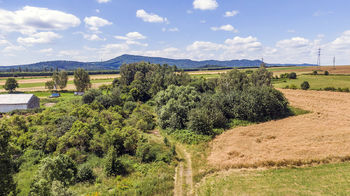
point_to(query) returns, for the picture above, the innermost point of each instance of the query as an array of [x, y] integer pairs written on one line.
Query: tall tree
[[63, 76], [81, 80], [7, 184], [11, 84]]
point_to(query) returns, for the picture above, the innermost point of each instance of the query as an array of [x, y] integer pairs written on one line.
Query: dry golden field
[[320, 136]]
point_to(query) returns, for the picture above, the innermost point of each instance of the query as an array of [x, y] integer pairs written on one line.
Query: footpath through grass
[[330, 179]]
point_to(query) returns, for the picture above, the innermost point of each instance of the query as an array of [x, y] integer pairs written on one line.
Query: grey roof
[[13, 99]]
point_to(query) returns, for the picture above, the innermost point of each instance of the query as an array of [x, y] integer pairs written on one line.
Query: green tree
[[261, 77], [60, 168], [63, 79], [173, 106], [112, 165], [7, 184], [50, 85], [233, 80], [305, 85], [292, 75], [326, 73], [11, 85], [81, 80]]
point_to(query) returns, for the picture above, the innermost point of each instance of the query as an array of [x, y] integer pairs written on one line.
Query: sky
[[279, 31]]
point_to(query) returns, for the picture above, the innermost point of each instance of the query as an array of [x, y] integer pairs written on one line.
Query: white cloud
[[189, 12], [97, 11], [227, 27], [342, 42], [46, 50], [29, 20], [4, 42], [243, 43], [175, 29], [39, 38], [205, 46], [69, 53], [205, 4], [235, 48], [131, 37], [103, 1], [231, 13], [94, 22], [92, 37], [150, 17], [295, 43], [13, 48], [203, 21], [112, 50]]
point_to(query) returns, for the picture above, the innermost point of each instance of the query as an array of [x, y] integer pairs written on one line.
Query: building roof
[[14, 99]]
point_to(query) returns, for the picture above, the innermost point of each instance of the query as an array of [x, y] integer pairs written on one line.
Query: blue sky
[[280, 31]]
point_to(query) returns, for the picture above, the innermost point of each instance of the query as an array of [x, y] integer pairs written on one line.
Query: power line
[[319, 57]]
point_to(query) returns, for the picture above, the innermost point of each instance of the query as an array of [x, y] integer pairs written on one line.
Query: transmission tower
[[319, 57]]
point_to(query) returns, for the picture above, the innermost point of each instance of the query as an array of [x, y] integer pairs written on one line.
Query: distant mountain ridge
[[115, 63]]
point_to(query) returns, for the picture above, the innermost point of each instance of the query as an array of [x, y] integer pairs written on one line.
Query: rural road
[[323, 134], [183, 174]]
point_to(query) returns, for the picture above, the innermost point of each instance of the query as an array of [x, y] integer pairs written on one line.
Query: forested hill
[[115, 63]]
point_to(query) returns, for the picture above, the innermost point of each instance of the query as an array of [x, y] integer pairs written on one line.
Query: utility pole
[[319, 57], [334, 62]]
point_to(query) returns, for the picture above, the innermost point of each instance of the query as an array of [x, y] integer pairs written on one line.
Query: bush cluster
[[238, 96]]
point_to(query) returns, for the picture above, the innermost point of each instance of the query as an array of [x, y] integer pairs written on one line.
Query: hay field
[[320, 136], [344, 69], [316, 81], [38, 83]]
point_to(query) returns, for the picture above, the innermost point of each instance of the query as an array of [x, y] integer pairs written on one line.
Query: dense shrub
[[91, 95], [261, 77], [305, 85], [199, 122], [314, 72], [292, 75], [146, 153], [7, 184], [60, 168], [85, 174], [174, 104], [330, 89], [326, 73], [112, 165], [255, 104]]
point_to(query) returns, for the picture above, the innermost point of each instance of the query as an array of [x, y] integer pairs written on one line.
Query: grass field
[[330, 179], [316, 81]]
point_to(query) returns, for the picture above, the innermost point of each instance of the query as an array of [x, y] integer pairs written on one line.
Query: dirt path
[[183, 175], [320, 135]]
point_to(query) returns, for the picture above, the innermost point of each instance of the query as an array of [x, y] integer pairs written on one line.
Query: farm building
[[10, 102]]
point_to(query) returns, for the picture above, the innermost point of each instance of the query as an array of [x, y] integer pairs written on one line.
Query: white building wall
[[9, 108]]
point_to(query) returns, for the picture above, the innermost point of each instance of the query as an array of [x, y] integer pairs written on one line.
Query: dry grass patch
[[319, 137]]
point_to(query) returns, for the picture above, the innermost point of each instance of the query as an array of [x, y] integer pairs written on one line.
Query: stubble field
[[320, 136]]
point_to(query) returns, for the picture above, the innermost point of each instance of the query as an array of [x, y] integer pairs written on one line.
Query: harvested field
[[345, 69], [42, 88], [320, 136]]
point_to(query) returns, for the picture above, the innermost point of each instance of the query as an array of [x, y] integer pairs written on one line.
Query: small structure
[[10, 102], [55, 95], [79, 93]]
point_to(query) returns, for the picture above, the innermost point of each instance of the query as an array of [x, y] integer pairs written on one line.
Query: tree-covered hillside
[[115, 63]]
